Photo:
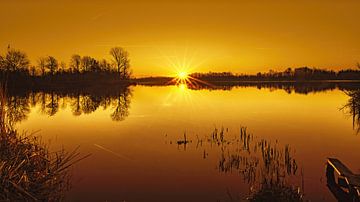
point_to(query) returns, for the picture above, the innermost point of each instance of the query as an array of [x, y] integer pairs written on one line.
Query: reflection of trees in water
[[288, 86], [75, 106], [121, 107], [50, 103], [28, 170], [89, 104], [265, 165], [352, 107], [120, 104], [17, 109]]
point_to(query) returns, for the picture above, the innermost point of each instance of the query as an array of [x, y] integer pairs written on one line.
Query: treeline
[[15, 67], [302, 74]]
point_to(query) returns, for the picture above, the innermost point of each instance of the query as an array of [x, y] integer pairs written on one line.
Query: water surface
[[133, 136]]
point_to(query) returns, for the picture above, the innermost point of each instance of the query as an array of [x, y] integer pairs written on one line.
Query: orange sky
[[203, 35]]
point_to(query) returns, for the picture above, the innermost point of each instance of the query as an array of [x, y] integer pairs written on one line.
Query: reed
[[265, 165], [277, 192], [352, 107], [28, 170]]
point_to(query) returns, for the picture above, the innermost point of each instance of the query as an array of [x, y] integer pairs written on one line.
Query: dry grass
[[28, 170]]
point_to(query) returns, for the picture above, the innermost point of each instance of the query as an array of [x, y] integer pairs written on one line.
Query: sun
[[182, 75]]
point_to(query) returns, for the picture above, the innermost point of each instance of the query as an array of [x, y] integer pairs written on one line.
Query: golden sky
[[204, 35]]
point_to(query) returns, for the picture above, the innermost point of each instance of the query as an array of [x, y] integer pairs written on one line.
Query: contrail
[[116, 154]]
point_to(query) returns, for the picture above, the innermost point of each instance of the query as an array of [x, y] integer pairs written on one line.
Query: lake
[[171, 143]]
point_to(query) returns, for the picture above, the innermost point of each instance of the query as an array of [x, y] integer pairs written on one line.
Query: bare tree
[[75, 62], [52, 64], [121, 61], [42, 65], [62, 66], [2, 62], [32, 70], [89, 64], [14, 60], [85, 63], [104, 65]]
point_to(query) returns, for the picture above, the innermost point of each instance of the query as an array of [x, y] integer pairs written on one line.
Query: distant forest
[[297, 74]]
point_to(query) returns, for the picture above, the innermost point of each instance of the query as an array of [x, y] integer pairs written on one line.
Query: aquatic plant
[[264, 165], [277, 193], [352, 107], [28, 170]]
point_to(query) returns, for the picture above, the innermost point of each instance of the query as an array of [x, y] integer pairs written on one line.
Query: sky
[[164, 37]]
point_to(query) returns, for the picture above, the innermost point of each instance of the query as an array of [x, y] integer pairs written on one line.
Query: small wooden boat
[[342, 182]]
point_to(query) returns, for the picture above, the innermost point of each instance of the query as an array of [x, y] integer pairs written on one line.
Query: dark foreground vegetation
[[28, 170]]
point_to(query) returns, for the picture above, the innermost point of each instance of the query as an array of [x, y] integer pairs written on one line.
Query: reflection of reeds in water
[[264, 165], [352, 107], [257, 160], [28, 170]]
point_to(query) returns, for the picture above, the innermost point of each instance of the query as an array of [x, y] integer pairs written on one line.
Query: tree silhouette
[[32, 70], [62, 67], [14, 60], [89, 64], [41, 64], [75, 62], [52, 64], [121, 61], [2, 62], [105, 66]]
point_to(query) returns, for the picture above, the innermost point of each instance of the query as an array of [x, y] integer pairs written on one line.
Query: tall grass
[[28, 170]]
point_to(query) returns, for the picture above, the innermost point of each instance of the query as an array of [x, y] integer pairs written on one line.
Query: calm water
[[133, 139]]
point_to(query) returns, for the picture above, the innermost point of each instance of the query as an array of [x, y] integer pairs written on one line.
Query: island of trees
[[17, 71]]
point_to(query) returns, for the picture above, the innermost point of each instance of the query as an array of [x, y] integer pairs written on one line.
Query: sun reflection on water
[[183, 87]]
